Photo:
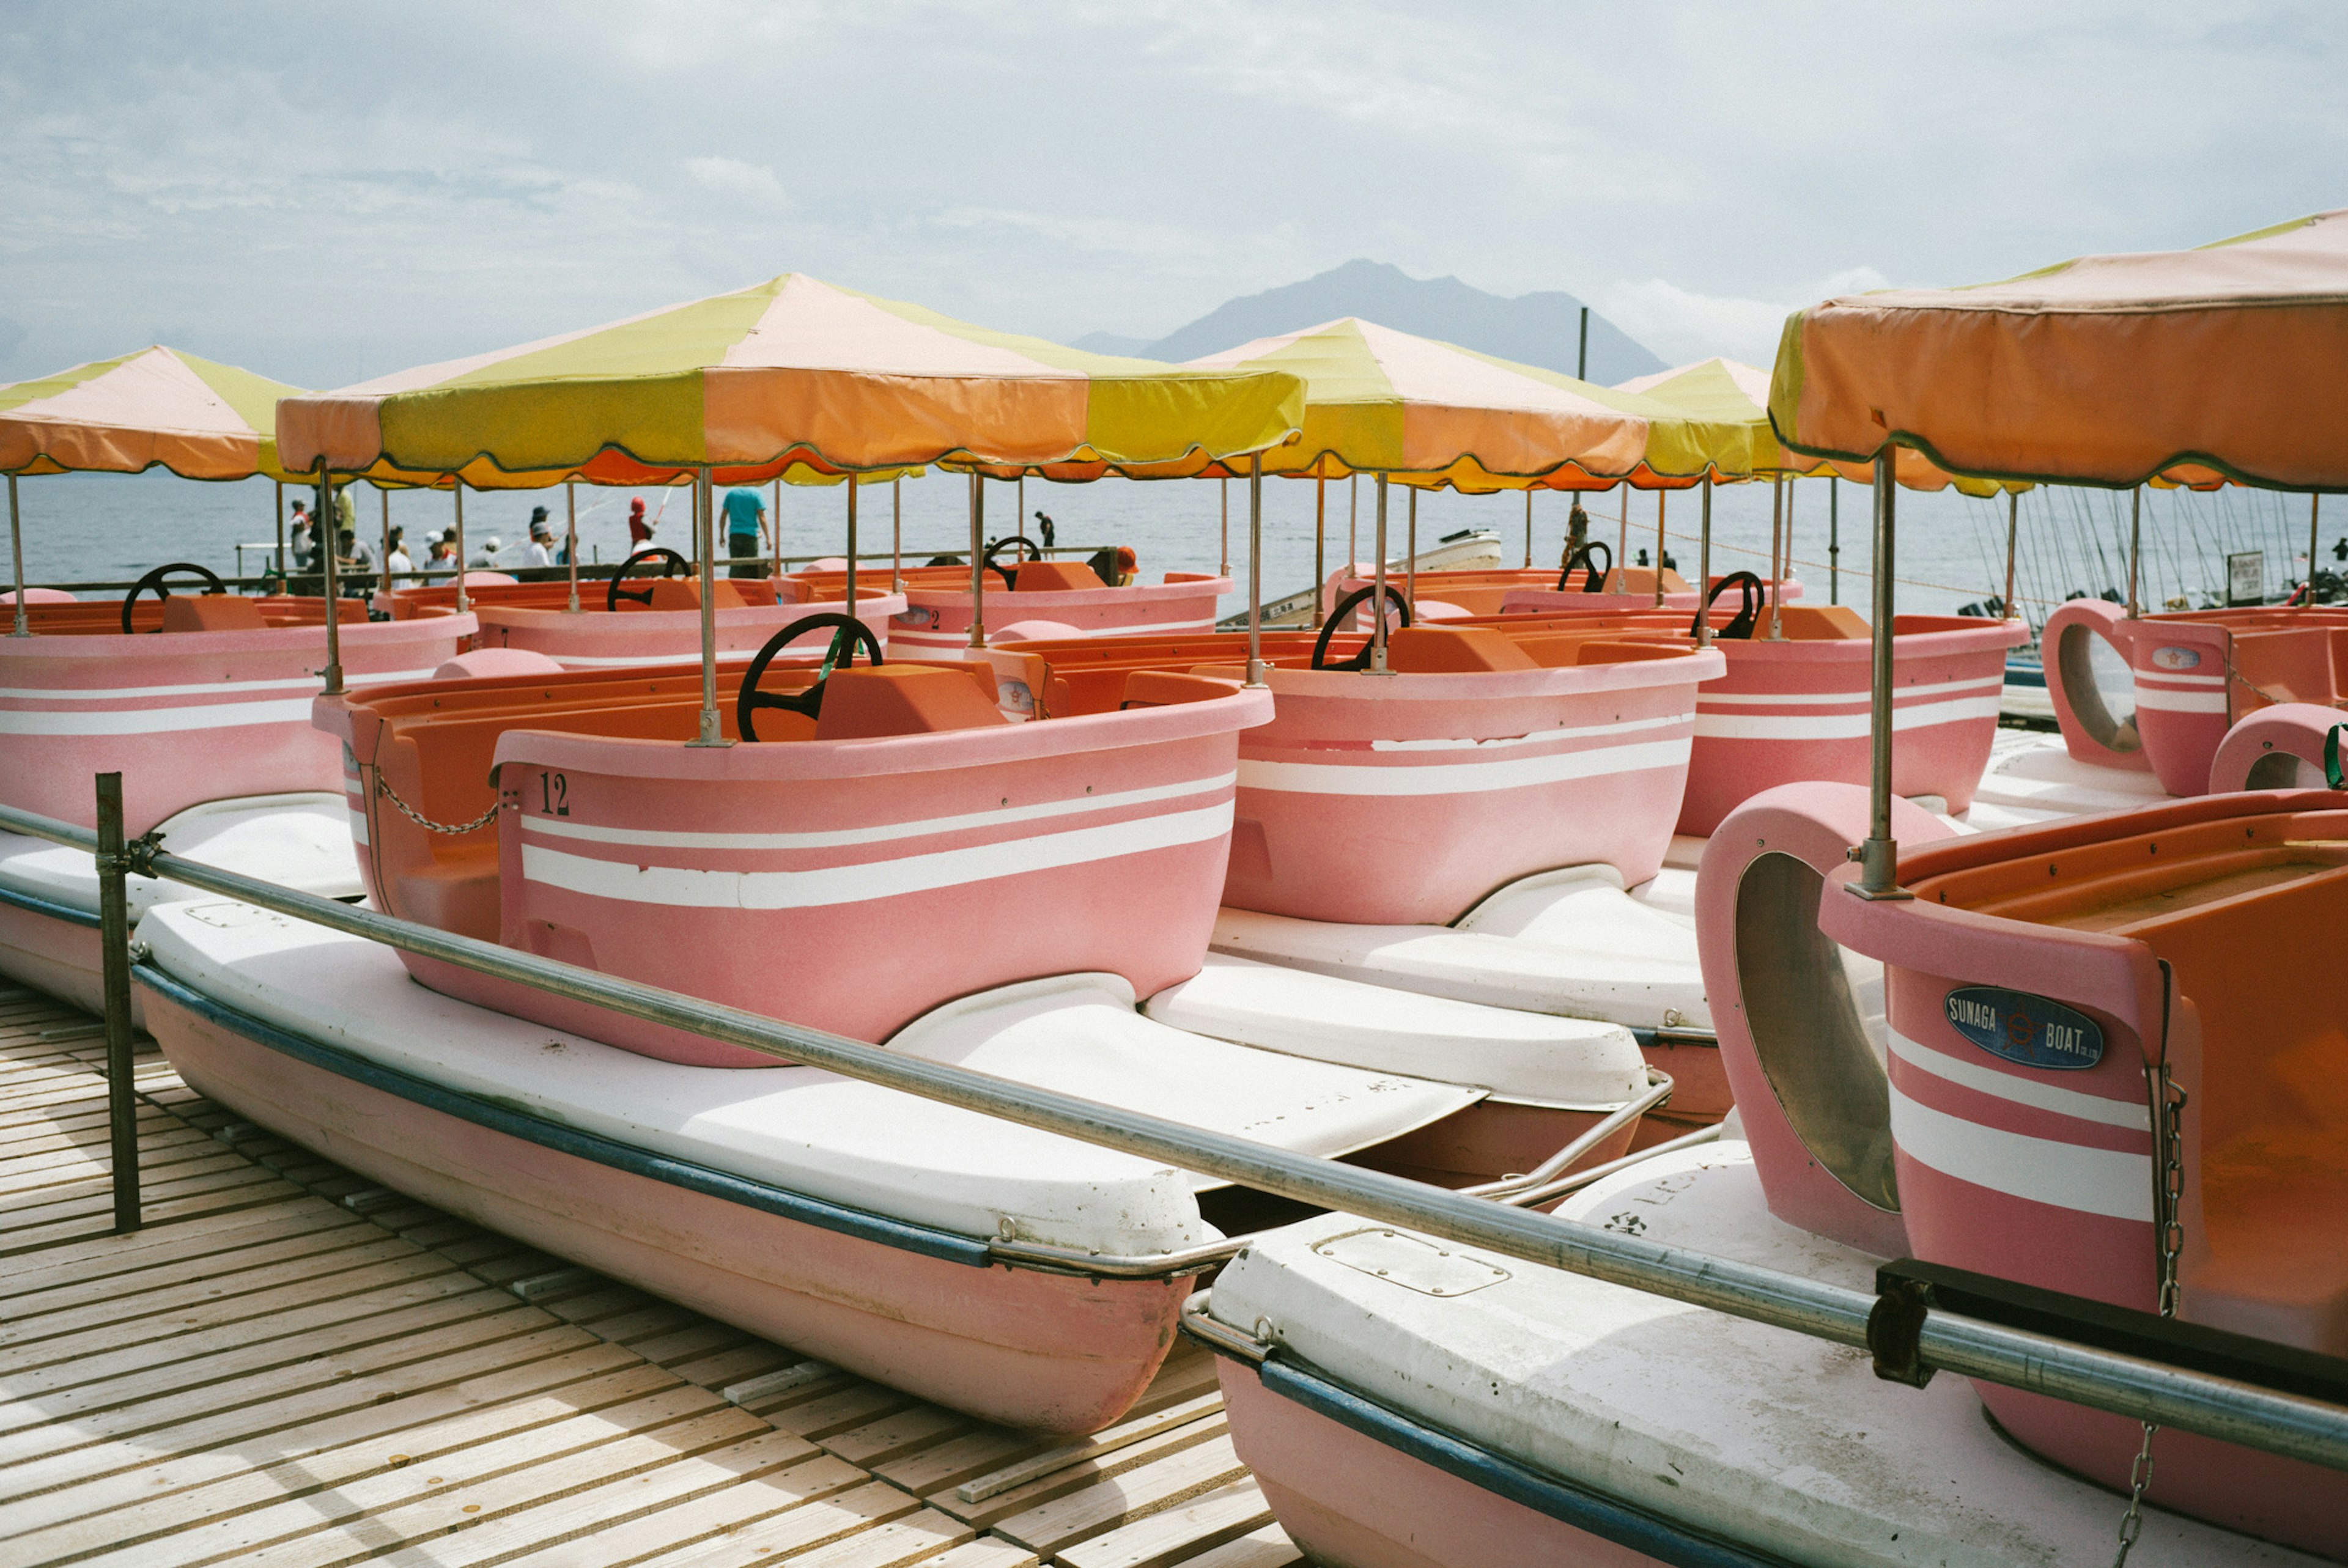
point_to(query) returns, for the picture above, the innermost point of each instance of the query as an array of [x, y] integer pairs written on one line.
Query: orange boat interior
[[668, 593], [437, 743], [2247, 911], [185, 613], [1093, 675]]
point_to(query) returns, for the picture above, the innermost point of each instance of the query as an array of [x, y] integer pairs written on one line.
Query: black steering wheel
[[1597, 583], [154, 580], [1749, 594], [672, 565], [1027, 553], [848, 631], [1360, 660]]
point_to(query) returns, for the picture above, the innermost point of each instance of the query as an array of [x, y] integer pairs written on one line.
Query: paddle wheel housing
[[2196, 674], [2046, 988]]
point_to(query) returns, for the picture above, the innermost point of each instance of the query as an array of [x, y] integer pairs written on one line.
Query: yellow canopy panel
[[1730, 392], [1382, 401], [122, 416], [790, 371], [2230, 360]]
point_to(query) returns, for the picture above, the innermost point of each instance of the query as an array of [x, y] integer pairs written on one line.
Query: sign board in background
[[2246, 577]]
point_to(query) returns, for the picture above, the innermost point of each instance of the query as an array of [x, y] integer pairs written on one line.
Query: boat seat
[[1450, 650], [1817, 623], [685, 593], [1053, 577], [862, 703], [1641, 580], [2269, 1113], [1165, 688], [2290, 665], [211, 613]]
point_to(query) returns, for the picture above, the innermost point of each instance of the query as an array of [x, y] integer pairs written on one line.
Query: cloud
[[752, 184], [1682, 325]]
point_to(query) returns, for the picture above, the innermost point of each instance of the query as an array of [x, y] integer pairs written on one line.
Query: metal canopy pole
[[1353, 523], [1622, 545], [704, 537], [1320, 525], [1834, 539], [2136, 543], [17, 555], [385, 496], [330, 540], [1378, 592], [1702, 569], [1659, 546], [896, 534], [1878, 856], [1226, 570], [977, 571], [570, 540], [2013, 517], [2314, 505], [1410, 556], [280, 485], [1529, 526], [775, 521], [114, 945], [1778, 550], [852, 544], [459, 481], [1255, 570]]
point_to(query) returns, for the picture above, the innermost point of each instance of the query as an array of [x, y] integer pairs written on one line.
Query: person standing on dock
[[542, 536], [300, 540], [640, 528], [746, 532], [397, 561]]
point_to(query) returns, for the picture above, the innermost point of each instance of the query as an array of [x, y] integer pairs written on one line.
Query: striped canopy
[[1431, 412], [2227, 360], [199, 419], [789, 371], [1729, 393]]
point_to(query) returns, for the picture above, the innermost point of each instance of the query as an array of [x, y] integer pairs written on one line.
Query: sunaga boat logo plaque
[[2025, 1030]]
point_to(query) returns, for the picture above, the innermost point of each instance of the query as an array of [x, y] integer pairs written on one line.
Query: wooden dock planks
[[290, 1365]]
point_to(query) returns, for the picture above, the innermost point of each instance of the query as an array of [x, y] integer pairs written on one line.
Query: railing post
[[114, 952]]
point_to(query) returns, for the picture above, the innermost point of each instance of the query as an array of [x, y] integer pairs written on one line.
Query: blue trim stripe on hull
[[482, 1112], [1584, 1507]]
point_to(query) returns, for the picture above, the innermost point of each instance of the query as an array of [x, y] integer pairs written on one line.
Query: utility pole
[[1581, 360]]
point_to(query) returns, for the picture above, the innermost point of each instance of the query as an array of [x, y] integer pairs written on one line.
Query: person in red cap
[[640, 528]]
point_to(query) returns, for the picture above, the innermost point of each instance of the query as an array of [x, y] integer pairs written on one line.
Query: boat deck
[[289, 1363]]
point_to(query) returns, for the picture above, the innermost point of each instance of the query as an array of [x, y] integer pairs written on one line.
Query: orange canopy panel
[[199, 419], [2227, 360]]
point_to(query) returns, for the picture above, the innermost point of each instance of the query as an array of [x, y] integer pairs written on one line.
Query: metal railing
[[2141, 1388]]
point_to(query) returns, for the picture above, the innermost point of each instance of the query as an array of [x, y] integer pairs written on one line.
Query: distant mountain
[[1533, 329], [1110, 343]]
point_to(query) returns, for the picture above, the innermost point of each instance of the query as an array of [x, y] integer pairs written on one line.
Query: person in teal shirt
[[746, 530]]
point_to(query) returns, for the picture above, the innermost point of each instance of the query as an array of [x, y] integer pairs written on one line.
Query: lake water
[[108, 527]]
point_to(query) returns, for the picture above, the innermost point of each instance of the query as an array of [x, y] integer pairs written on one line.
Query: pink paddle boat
[[867, 846], [2196, 674], [636, 618], [201, 702], [1063, 598]]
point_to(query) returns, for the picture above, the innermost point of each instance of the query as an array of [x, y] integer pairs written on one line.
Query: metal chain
[[383, 787], [2168, 1106]]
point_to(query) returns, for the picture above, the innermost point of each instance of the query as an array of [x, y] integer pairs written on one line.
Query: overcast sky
[[328, 192]]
